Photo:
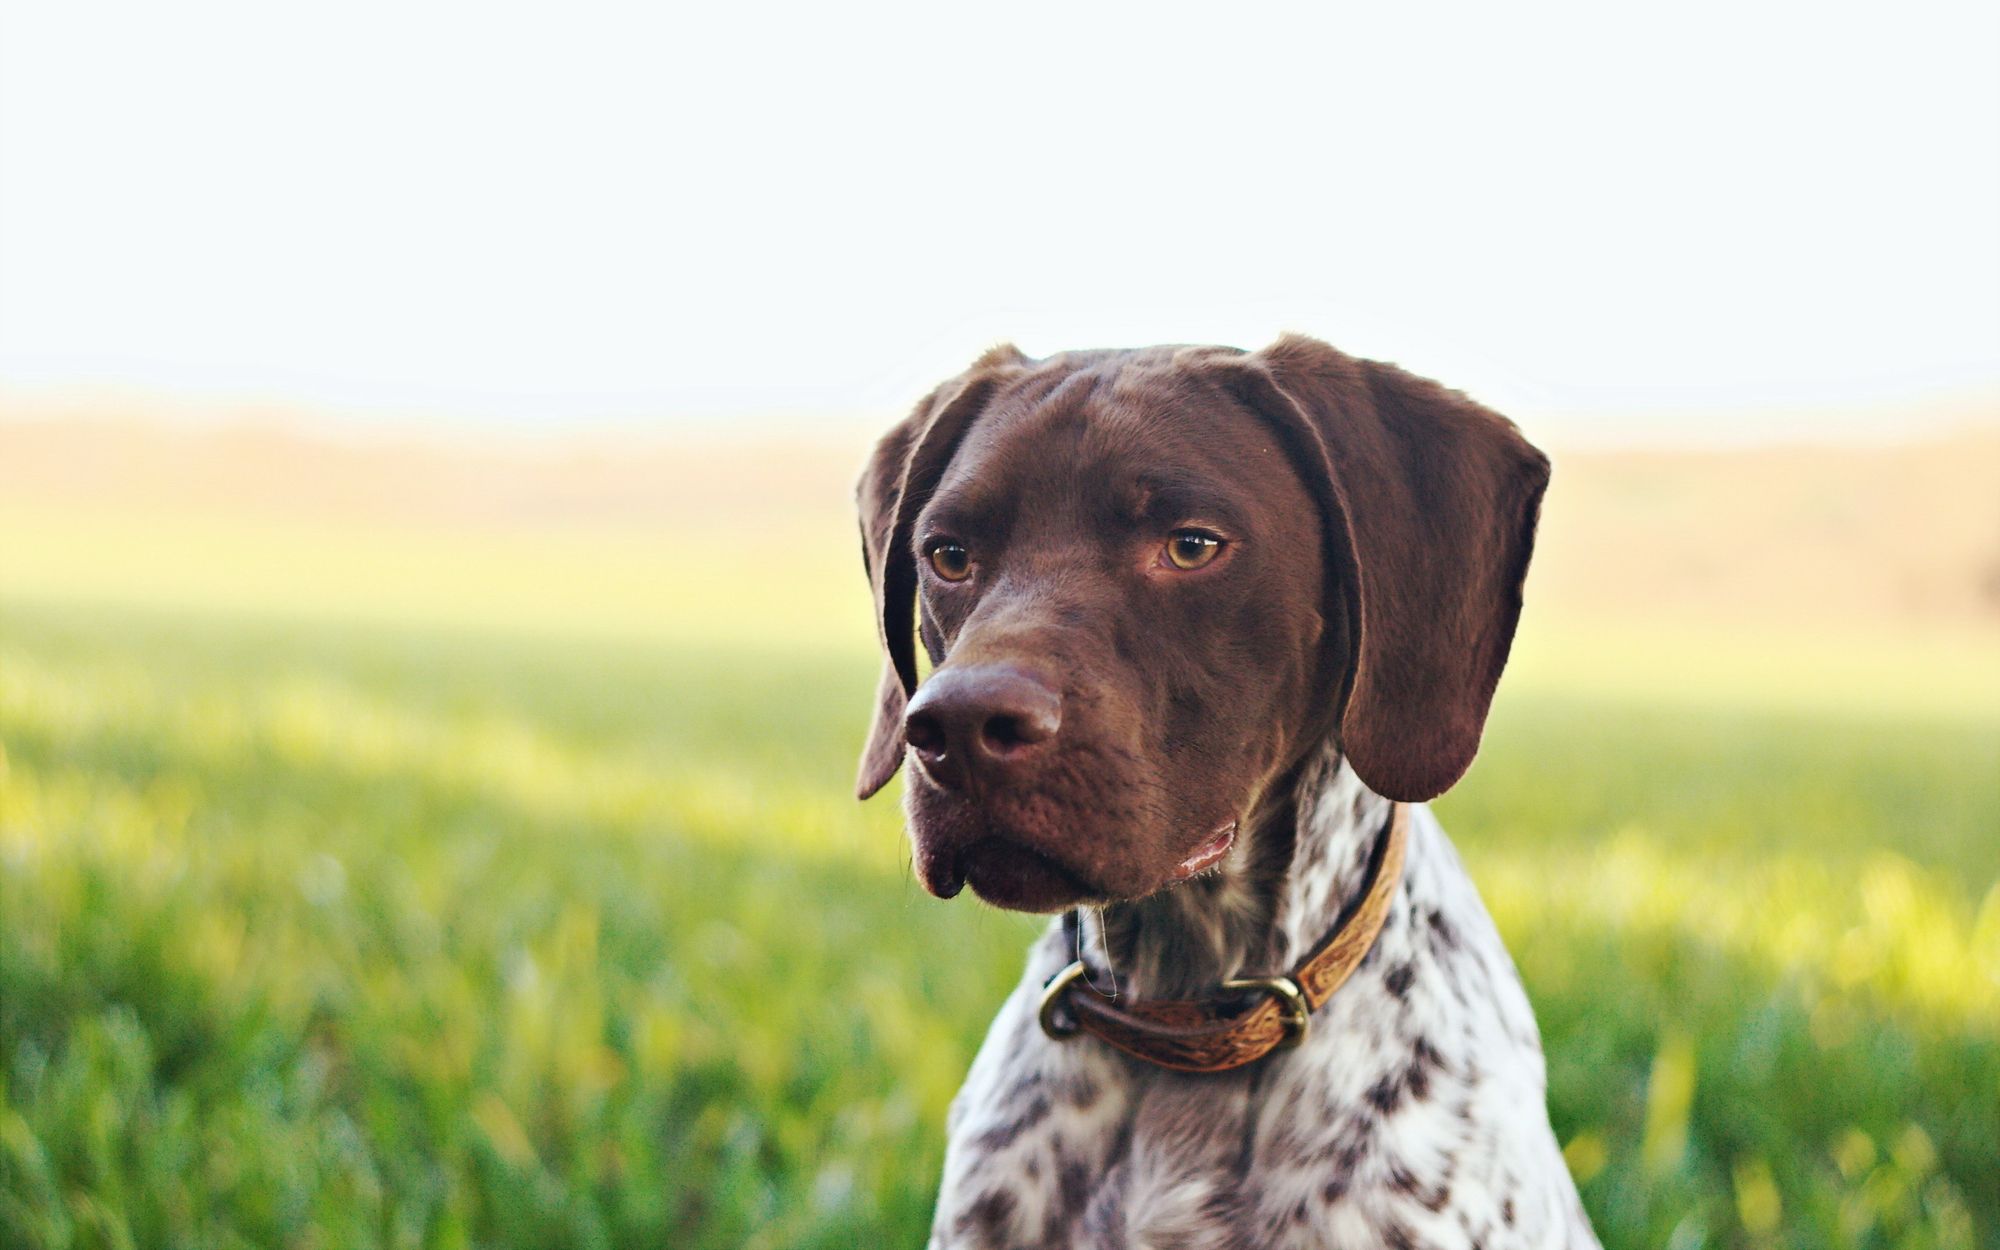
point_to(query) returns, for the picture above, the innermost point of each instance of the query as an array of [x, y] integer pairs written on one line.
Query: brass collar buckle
[[1052, 996], [1298, 1013]]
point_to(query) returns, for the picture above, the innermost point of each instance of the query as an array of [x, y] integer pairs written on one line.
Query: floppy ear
[[1430, 505], [898, 481]]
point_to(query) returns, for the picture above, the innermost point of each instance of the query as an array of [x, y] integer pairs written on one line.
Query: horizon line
[[1943, 411]]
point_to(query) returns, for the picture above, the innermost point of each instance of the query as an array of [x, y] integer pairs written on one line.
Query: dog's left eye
[[1191, 549]]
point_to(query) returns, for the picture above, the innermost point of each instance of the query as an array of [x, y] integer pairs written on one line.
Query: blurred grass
[[501, 888]]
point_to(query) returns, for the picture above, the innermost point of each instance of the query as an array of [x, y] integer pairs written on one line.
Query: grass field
[[479, 888]]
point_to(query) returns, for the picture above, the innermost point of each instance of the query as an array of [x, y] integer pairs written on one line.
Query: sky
[[1659, 222]]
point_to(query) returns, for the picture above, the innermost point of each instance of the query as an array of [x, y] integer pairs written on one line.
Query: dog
[[1206, 628]]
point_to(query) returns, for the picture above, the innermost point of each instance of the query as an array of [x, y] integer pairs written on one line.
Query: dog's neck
[[1304, 858]]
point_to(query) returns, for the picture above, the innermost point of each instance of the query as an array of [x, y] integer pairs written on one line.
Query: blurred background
[[434, 653]]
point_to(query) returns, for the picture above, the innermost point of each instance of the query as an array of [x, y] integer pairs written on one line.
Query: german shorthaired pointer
[[1202, 624]]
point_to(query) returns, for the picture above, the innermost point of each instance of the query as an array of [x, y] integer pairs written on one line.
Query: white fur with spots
[[1413, 1116]]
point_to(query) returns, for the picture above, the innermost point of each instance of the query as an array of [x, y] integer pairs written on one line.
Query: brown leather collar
[[1225, 1030]]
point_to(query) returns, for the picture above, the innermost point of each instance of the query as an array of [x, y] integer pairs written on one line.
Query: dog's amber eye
[[952, 562], [1190, 549]]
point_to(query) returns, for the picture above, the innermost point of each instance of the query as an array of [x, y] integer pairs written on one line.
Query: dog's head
[[1149, 581]]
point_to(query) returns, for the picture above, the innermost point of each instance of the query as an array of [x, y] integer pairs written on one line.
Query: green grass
[[405, 932]]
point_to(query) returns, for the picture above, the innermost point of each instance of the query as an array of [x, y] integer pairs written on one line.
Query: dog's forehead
[[1110, 425]]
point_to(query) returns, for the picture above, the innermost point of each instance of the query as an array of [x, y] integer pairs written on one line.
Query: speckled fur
[[1414, 1115]]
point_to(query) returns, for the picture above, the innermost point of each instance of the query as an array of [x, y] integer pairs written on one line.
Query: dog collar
[[1249, 1017]]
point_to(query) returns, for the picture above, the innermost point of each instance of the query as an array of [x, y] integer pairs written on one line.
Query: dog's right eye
[[952, 561]]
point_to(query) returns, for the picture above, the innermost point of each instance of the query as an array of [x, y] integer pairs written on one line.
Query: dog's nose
[[980, 720]]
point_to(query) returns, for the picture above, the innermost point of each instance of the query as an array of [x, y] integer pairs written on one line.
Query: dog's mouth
[[1020, 878], [1016, 876]]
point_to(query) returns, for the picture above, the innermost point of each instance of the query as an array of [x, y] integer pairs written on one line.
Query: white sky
[[1621, 222]]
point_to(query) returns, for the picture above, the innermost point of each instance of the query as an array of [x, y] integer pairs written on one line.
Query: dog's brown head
[[1149, 581]]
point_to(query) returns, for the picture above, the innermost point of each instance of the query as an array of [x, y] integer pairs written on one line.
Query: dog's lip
[[1209, 853], [1013, 875]]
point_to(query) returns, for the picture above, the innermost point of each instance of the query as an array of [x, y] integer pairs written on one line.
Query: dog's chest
[[1413, 1115]]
